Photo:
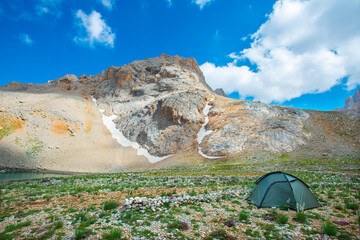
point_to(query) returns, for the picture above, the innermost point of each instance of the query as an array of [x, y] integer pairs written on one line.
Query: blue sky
[[303, 54]]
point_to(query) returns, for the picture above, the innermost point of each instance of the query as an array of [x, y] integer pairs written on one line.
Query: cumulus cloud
[[108, 3], [202, 3], [93, 29], [26, 39], [303, 47], [51, 7]]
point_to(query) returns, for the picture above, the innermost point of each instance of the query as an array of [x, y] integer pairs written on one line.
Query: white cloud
[[51, 7], [169, 2], [217, 35], [40, 10], [108, 3], [93, 29], [202, 3], [303, 47], [26, 39]]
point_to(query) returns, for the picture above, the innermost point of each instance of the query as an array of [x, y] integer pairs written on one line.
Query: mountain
[[220, 92], [155, 112], [352, 105]]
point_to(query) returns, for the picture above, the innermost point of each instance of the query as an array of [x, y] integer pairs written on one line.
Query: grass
[[344, 235], [32, 145], [82, 233], [220, 235], [177, 225], [282, 219], [11, 228], [329, 229], [300, 217], [8, 236], [251, 233], [243, 216], [113, 234], [109, 205], [351, 205], [91, 202], [9, 125], [58, 225], [80, 216]]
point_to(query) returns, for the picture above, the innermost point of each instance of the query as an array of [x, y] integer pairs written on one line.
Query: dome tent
[[278, 189]]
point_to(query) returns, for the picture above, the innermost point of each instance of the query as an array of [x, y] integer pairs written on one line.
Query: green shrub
[[220, 235], [344, 236], [251, 233], [8, 236], [47, 235], [82, 233], [271, 232], [11, 228], [243, 216], [282, 219], [331, 195], [338, 207], [129, 217], [113, 234], [79, 234], [300, 217], [58, 225], [351, 205], [177, 225], [109, 205], [329, 229], [248, 232]]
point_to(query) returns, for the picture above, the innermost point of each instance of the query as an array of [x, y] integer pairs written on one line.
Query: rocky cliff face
[[352, 100], [240, 125], [144, 112], [352, 105], [221, 92], [158, 102]]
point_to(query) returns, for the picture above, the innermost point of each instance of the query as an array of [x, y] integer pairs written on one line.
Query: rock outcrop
[[158, 102], [156, 105], [352, 105], [352, 100], [221, 92], [240, 125]]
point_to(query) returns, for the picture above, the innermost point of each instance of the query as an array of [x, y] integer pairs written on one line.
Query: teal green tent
[[278, 189]]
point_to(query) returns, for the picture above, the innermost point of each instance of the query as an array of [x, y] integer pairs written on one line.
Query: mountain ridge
[[157, 105]]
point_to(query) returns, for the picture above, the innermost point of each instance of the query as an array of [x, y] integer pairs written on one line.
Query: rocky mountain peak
[[157, 102], [221, 92], [352, 105], [144, 112], [149, 71], [189, 63], [351, 100]]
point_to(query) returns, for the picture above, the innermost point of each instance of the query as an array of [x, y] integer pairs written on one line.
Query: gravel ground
[[171, 205]]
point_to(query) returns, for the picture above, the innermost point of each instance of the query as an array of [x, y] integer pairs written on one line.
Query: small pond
[[6, 176]]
